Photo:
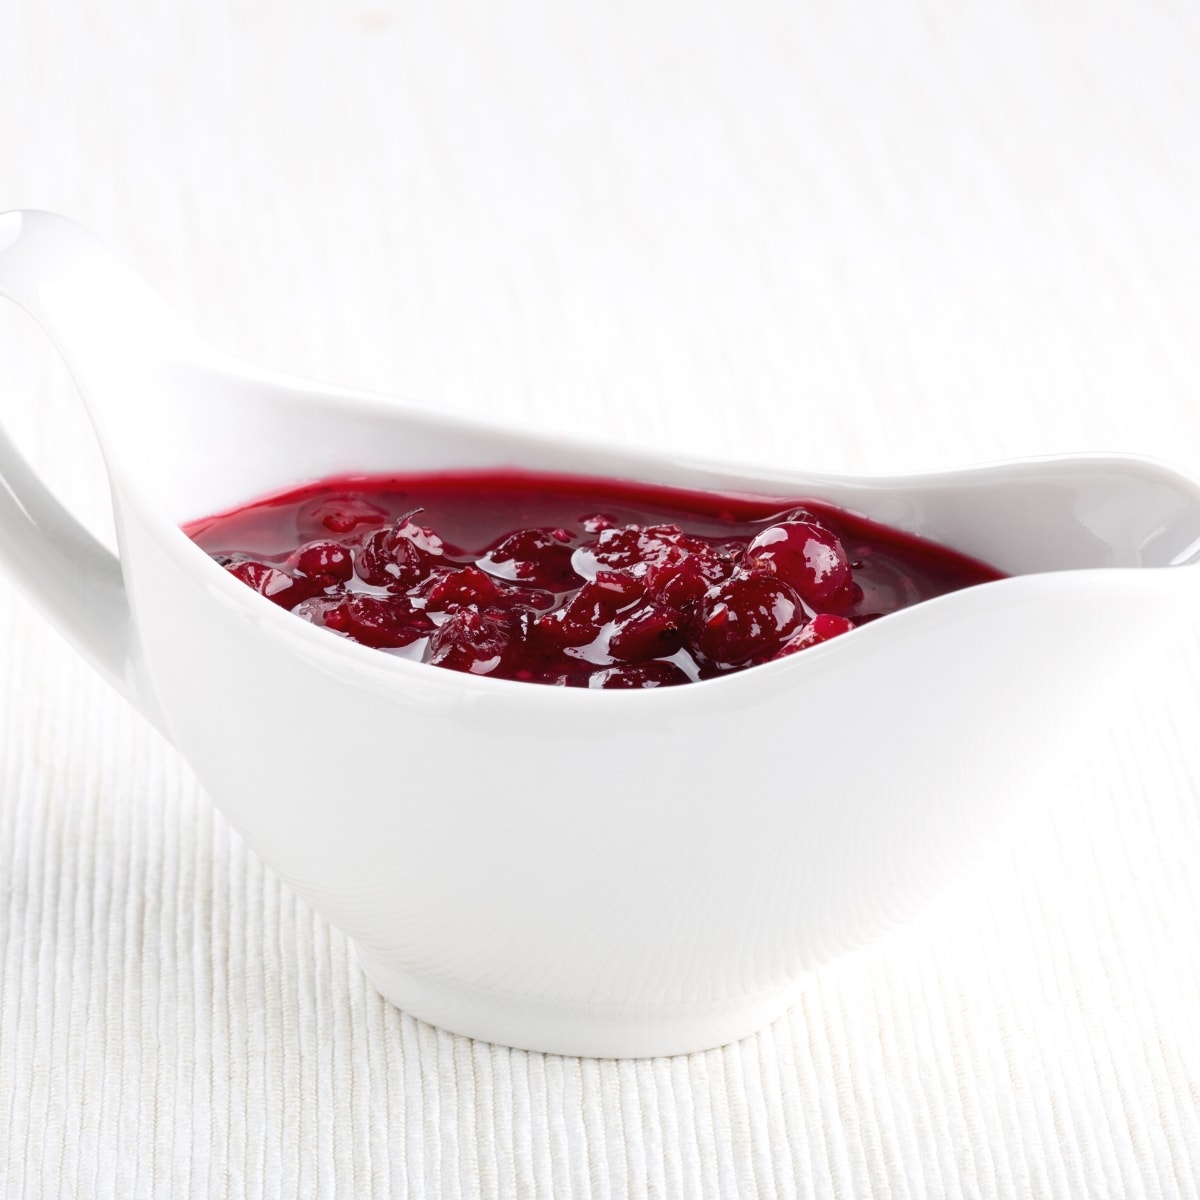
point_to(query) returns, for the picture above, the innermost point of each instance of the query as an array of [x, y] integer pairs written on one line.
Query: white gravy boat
[[575, 871]]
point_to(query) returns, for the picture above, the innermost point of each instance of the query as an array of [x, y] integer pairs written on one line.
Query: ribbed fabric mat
[[866, 239]]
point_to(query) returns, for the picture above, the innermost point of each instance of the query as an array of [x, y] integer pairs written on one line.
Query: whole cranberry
[[650, 631], [399, 557], [747, 618], [540, 557], [454, 589], [656, 673], [473, 641], [324, 562], [278, 586], [652, 544], [806, 556], [623, 588], [580, 620], [385, 622], [681, 585], [820, 629]]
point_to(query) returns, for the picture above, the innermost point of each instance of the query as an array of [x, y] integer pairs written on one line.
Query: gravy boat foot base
[[586, 1031]]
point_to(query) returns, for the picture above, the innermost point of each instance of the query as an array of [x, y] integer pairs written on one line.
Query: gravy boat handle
[[100, 316]]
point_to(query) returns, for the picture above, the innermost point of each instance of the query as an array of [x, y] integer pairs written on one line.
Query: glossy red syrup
[[570, 581]]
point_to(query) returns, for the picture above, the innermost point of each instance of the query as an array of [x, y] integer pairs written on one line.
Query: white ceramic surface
[[593, 873]]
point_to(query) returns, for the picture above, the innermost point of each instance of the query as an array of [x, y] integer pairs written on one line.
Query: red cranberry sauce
[[575, 582]]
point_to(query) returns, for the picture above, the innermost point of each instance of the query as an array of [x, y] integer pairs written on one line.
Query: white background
[[847, 238]]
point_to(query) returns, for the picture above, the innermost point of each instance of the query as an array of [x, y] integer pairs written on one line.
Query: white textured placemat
[[876, 238]]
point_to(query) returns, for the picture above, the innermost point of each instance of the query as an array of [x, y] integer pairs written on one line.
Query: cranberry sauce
[[576, 582]]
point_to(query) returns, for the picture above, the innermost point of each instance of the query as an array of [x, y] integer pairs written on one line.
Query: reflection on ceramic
[[601, 873]]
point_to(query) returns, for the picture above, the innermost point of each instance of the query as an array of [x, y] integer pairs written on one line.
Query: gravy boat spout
[[587, 872]]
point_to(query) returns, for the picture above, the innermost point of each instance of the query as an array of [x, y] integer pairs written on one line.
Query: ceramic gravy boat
[[575, 871]]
